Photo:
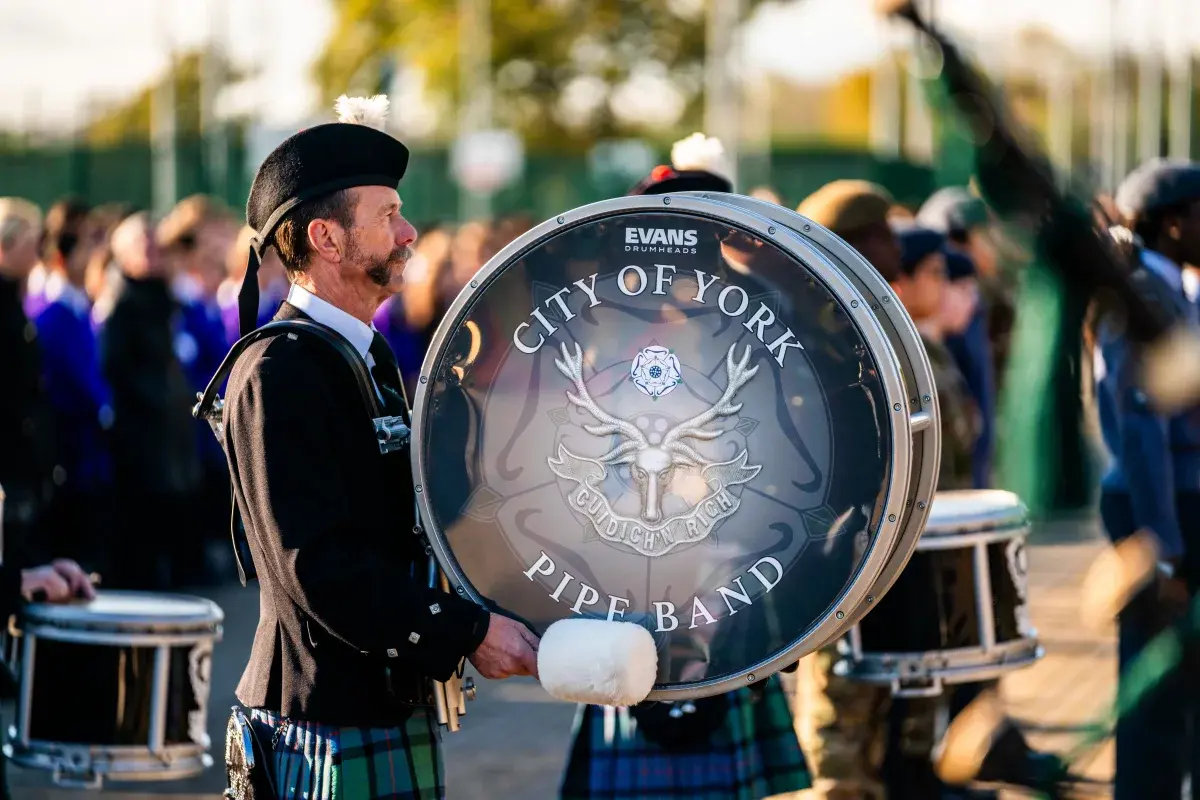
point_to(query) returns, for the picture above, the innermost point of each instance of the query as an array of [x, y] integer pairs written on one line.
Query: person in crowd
[[154, 444], [272, 284], [195, 239], [739, 745], [26, 424], [965, 221], [81, 514], [1153, 484]]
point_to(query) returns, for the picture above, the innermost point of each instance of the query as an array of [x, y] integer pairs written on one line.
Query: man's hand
[[80, 581], [57, 582], [508, 650]]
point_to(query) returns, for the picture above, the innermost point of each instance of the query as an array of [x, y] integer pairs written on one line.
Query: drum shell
[[957, 613], [137, 693]]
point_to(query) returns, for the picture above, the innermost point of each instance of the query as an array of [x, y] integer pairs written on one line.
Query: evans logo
[[660, 236]]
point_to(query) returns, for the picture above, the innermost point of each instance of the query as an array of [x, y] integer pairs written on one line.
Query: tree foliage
[[558, 65]]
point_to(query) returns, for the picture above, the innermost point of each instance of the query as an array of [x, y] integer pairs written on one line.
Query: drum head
[[972, 511], [672, 412], [914, 364], [128, 611]]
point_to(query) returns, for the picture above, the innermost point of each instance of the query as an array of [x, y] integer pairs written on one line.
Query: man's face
[[91, 236], [960, 298], [207, 260], [136, 251], [922, 291], [879, 246], [380, 242], [21, 255]]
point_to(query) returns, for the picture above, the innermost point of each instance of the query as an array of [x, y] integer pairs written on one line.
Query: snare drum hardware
[[959, 612], [116, 688]]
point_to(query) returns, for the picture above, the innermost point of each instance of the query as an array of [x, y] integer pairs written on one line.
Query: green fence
[[550, 183]]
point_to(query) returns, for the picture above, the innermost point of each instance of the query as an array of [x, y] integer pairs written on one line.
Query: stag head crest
[[652, 465]]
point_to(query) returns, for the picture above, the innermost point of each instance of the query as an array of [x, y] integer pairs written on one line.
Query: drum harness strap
[[391, 432]]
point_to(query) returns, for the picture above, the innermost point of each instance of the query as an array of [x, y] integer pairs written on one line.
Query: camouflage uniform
[[843, 724]]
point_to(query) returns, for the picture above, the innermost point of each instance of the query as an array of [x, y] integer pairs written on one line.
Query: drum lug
[[910, 689], [77, 780]]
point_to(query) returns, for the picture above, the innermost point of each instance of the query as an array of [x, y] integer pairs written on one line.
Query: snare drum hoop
[[884, 666], [914, 364], [844, 292], [1006, 513], [49, 619]]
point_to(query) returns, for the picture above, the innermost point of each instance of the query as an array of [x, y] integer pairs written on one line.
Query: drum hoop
[[57, 617], [827, 628], [969, 537], [914, 362], [123, 638]]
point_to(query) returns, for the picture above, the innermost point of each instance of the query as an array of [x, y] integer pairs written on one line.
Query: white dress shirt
[[358, 333]]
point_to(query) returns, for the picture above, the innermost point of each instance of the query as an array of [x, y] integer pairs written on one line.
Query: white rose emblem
[[656, 371]]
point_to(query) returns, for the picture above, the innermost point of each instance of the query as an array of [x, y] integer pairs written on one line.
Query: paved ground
[[513, 743]]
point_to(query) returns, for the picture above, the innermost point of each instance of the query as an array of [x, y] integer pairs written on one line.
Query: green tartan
[[754, 754], [326, 762]]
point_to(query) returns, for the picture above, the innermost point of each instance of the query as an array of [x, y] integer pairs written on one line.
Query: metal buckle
[[392, 434]]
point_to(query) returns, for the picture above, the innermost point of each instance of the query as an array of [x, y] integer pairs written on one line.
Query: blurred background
[[515, 110]]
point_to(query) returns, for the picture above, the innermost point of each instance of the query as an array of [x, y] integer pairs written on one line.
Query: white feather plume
[[699, 152], [369, 111]]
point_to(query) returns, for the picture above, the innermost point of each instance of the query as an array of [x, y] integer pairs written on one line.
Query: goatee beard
[[380, 272]]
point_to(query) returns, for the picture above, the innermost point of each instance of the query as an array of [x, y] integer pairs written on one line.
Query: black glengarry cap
[[354, 151]]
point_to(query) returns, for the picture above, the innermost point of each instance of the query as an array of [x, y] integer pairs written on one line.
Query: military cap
[[847, 206], [317, 161], [697, 165], [959, 265], [953, 211], [1157, 184], [916, 244]]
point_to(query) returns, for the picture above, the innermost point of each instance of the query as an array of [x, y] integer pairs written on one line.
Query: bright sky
[[55, 55]]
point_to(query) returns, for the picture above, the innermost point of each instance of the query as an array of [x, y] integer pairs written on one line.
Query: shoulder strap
[[362, 376]]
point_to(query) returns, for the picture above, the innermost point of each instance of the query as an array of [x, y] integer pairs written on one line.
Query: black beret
[[665, 180], [916, 243], [958, 265], [319, 161], [1159, 183], [953, 211], [315, 162]]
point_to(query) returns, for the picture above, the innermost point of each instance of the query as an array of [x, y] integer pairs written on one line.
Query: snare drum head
[[672, 413], [968, 511], [128, 611]]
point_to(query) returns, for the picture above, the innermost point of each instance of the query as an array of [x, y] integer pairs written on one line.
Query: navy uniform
[[1153, 481], [337, 685]]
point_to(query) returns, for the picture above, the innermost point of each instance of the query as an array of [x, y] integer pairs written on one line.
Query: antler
[[572, 368], [694, 428]]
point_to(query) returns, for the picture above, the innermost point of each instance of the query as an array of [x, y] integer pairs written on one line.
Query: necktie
[[386, 373]]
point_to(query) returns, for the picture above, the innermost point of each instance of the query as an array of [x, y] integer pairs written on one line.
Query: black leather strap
[[204, 408], [355, 361]]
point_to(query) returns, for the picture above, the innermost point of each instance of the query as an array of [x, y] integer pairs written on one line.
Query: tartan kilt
[[326, 762], [754, 754]]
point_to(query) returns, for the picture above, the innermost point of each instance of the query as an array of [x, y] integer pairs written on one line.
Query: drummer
[[349, 635], [843, 724], [56, 582], [735, 746]]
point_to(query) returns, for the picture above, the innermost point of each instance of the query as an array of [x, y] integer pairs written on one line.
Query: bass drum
[[914, 365], [670, 411], [115, 688]]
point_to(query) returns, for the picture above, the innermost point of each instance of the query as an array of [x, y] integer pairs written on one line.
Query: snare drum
[[115, 688], [959, 612]]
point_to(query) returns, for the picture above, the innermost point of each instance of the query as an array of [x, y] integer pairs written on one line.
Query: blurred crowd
[[111, 323]]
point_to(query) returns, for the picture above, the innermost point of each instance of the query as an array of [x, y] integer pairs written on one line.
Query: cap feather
[[369, 111], [699, 152]]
